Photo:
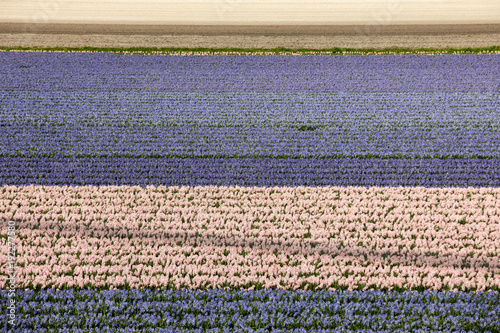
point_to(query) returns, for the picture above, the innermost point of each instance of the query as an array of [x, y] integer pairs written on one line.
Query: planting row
[[67, 124], [321, 73], [374, 111], [255, 311], [286, 238], [184, 141], [250, 172], [256, 106]]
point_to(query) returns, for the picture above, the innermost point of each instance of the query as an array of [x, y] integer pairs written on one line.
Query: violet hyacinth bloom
[[105, 109], [256, 311]]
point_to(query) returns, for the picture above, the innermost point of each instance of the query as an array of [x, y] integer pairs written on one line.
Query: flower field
[[255, 193]]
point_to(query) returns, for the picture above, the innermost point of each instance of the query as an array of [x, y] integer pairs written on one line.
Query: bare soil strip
[[250, 42], [315, 24], [251, 30]]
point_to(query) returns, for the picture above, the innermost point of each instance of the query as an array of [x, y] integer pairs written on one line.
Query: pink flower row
[[282, 237]]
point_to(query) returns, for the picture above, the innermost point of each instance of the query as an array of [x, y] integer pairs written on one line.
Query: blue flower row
[[186, 141], [411, 106], [345, 111], [254, 311], [316, 73], [67, 124], [250, 172]]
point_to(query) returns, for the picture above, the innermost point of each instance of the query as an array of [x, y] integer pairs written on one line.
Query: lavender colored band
[[250, 172]]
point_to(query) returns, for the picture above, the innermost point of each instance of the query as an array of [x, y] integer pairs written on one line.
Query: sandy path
[[303, 12]]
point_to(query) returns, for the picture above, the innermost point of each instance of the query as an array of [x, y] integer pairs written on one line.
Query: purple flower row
[[256, 106], [345, 111], [254, 310], [319, 73], [188, 141], [250, 172]]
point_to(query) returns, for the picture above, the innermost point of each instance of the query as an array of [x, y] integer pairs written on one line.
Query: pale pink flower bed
[[201, 237]]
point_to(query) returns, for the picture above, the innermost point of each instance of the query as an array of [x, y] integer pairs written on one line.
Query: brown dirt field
[[251, 23], [245, 41], [252, 30], [257, 36]]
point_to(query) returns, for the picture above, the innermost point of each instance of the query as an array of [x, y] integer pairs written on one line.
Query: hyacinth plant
[[253, 193]]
